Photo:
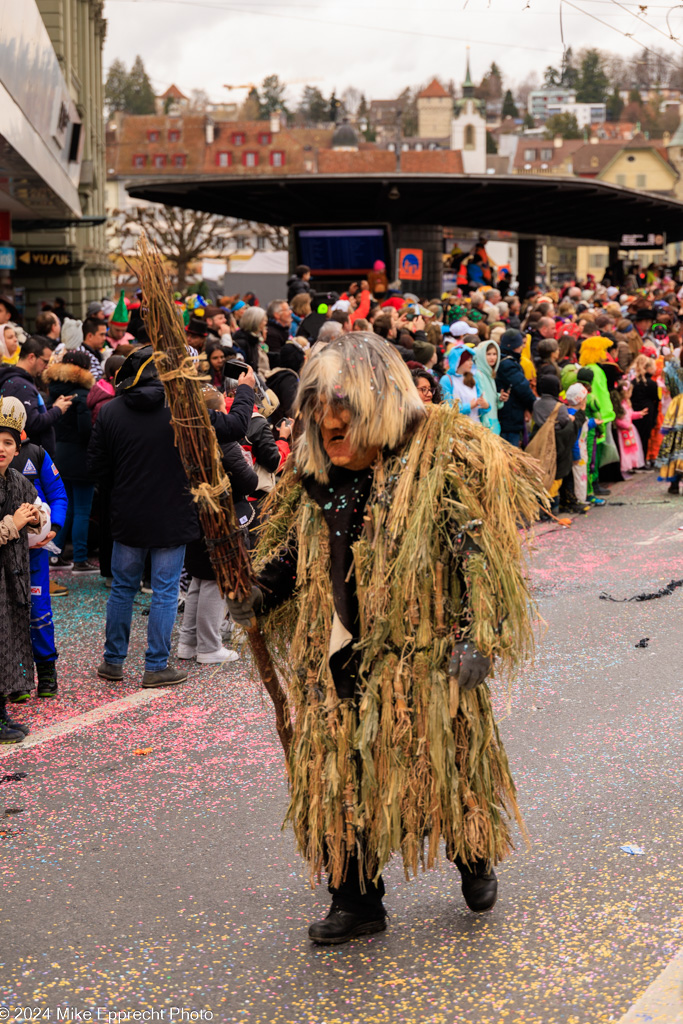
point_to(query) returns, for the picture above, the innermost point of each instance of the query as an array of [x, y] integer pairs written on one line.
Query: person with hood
[[20, 382], [283, 379], [73, 377], [152, 510], [486, 363], [10, 347], [459, 385], [510, 379], [299, 282]]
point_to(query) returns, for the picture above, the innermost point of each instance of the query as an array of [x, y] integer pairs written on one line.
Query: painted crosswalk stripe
[[113, 707]]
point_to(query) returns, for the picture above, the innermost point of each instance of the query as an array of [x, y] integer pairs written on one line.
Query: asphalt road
[[161, 881]]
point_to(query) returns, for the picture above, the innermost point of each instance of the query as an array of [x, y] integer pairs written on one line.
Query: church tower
[[468, 128]]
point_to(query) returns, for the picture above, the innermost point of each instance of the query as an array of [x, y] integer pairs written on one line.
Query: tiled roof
[[364, 161], [432, 161], [434, 90], [559, 154], [173, 93]]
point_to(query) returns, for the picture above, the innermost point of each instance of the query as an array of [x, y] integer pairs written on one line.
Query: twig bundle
[[198, 447]]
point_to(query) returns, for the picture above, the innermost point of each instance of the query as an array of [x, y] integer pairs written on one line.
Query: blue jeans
[[514, 437], [77, 520], [127, 567]]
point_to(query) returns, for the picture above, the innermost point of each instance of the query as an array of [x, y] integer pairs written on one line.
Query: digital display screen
[[346, 251]]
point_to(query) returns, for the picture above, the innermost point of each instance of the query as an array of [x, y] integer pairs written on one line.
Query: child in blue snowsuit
[[37, 466]]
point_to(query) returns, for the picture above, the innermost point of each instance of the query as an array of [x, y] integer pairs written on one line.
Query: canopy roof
[[528, 205]]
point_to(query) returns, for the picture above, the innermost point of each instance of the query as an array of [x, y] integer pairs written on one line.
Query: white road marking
[[113, 707], [662, 1001]]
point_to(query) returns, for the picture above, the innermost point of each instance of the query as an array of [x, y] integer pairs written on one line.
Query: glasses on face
[[426, 390]]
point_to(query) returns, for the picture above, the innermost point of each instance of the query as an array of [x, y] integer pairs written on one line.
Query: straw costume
[[379, 581]]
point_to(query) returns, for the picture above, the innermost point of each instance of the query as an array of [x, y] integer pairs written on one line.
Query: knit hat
[[575, 394], [548, 384], [72, 334], [585, 374], [108, 307], [93, 309], [12, 417], [423, 351], [120, 316]]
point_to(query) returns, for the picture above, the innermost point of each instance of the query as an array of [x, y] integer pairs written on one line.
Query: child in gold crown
[[18, 514]]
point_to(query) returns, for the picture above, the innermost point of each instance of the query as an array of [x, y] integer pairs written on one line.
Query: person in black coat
[[283, 379], [19, 381], [645, 396], [200, 635], [299, 282], [152, 510], [72, 377], [510, 377], [279, 325]]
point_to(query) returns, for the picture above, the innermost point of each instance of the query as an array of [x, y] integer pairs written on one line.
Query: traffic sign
[[8, 257], [410, 264], [43, 261]]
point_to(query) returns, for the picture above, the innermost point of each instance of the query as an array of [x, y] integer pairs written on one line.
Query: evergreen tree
[[569, 76], [491, 146], [509, 106], [565, 125], [593, 82], [334, 107], [272, 96], [551, 76], [313, 107], [139, 91], [115, 87], [615, 105], [251, 108]]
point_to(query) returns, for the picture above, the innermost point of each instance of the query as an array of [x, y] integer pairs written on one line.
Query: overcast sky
[[378, 46]]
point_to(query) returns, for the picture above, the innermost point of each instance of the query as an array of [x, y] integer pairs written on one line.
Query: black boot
[[341, 925], [9, 732], [479, 885], [17, 725], [47, 678], [673, 488]]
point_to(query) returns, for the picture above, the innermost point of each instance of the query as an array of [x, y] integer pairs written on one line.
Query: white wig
[[365, 374]]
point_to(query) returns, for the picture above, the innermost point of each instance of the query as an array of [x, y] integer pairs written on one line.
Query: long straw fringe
[[417, 760]]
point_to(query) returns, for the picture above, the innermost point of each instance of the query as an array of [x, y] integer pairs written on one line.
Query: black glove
[[243, 612], [468, 665]]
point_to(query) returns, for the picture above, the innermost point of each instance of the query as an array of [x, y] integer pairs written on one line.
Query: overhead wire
[[632, 14], [626, 35]]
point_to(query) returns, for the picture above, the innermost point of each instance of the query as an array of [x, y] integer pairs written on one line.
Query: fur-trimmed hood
[[69, 373]]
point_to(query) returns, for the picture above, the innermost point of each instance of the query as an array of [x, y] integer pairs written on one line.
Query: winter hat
[[120, 316], [549, 384], [379, 265], [459, 329], [585, 374], [575, 394], [423, 351], [12, 417], [343, 305], [72, 334], [93, 309], [108, 307]]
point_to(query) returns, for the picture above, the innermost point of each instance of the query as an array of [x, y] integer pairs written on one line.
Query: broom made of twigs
[[198, 447]]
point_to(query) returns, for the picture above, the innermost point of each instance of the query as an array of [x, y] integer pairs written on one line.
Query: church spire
[[468, 84]]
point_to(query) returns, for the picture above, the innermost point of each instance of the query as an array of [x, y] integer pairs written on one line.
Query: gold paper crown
[[12, 414]]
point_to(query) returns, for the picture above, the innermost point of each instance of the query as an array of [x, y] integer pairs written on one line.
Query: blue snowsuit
[[37, 466]]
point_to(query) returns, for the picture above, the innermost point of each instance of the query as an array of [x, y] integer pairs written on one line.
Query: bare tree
[[351, 100], [199, 101], [184, 236], [521, 93]]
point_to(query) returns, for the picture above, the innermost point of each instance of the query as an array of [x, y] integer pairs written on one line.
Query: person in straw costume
[[390, 576]]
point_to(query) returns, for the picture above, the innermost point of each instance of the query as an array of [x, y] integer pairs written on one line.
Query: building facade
[[63, 253]]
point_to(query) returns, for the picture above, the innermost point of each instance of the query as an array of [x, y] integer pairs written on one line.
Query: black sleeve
[[233, 425], [237, 464], [83, 418], [522, 389], [266, 452], [277, 579]]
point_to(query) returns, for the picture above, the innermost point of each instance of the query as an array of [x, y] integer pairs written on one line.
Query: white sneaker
[[216, 657], [185, 652]]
